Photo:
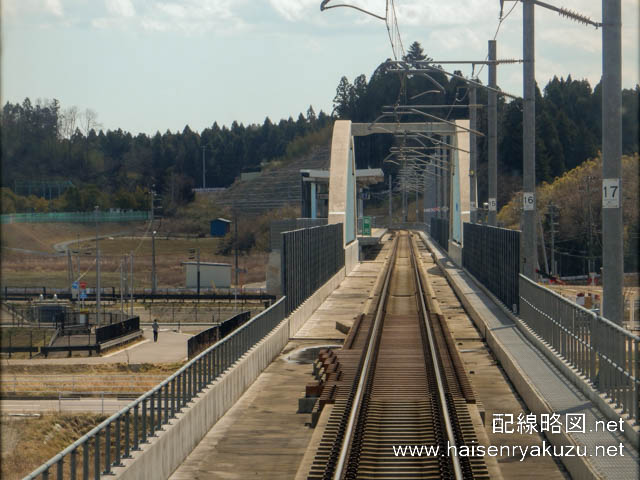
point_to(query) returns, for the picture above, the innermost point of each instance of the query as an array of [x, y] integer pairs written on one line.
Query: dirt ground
[[29, 258]]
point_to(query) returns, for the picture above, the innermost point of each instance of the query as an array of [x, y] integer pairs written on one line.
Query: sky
[[147, 66]]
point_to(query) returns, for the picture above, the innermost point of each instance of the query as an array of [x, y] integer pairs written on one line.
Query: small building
[[220, 227], [212, 275]]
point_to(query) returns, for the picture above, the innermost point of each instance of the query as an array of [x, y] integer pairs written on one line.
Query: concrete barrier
[[455, 253], [351, 256], [301, 314]]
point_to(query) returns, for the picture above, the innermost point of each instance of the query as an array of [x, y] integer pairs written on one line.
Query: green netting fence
[[75, 217]]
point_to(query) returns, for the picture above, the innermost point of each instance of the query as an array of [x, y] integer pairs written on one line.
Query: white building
[[212, 275]]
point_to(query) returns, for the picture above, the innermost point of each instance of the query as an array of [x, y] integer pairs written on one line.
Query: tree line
[[44, 142], [568, 120], [111, 168]]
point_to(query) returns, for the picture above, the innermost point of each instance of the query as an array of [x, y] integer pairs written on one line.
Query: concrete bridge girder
[[342, 205]]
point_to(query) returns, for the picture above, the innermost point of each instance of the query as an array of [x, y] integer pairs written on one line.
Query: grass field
[[22, 268], [38, 380], [28, 442], [25, 337]]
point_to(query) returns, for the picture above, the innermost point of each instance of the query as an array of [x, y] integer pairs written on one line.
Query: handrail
[[584, 310], [604, 352], [193, 369]]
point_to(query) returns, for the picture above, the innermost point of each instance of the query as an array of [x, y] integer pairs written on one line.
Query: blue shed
[[220, 227]]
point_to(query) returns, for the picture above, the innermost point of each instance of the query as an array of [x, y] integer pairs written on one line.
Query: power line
[[495, 36]]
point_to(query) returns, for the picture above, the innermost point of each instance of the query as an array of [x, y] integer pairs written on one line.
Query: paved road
[[171, 347]]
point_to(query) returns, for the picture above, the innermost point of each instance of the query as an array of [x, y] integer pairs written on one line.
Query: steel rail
[[436, 364], [364, 373]]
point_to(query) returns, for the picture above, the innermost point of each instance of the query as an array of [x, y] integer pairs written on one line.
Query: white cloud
[[10, 9], [195, 16], [294, 10], [120, 8], [54, 7], [309, 10]]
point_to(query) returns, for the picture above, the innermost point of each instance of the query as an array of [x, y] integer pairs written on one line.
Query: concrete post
[[69, 271], [204, 182], [439, 183], [612, 246], [122, 287], [446, 191], [131, 279], [528, 259], [493, 139], [473, 156], [98, 286], [314, 201], [390, 201], [154, 281], [404, 200], [425, 192]]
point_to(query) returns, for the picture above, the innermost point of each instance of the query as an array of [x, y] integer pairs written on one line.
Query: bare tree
[[68, 122], [89, 121]]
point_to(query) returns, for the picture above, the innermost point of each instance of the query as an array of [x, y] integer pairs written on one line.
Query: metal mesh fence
[[440, 231], [289, 224], [309, 258], [492, 255]]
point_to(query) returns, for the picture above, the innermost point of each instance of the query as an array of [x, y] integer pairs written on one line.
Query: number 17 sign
[[610, 193]]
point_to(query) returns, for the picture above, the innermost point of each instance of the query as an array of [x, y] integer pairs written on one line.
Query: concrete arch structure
[[342, 189]]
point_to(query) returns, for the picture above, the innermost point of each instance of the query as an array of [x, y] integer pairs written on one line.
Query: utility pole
[[204, 182], [131, 279], [98, 286], [122, 287], [425, 192], [439, 180], [235, 222], [154, 280], [528, 248], [78, 254], [473, 155], [493, 139], [612, 246], [544, 246], [152, 194], [590, 262], [404, 198], [447, 182], [390, 201], [236, 246], [198, 260], [552, 214], [417, 218], [69, 270]]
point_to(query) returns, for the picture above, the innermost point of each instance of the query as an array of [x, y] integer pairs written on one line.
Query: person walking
[[155, 327]]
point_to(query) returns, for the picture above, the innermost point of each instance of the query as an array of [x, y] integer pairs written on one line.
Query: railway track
[[396, 383]]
